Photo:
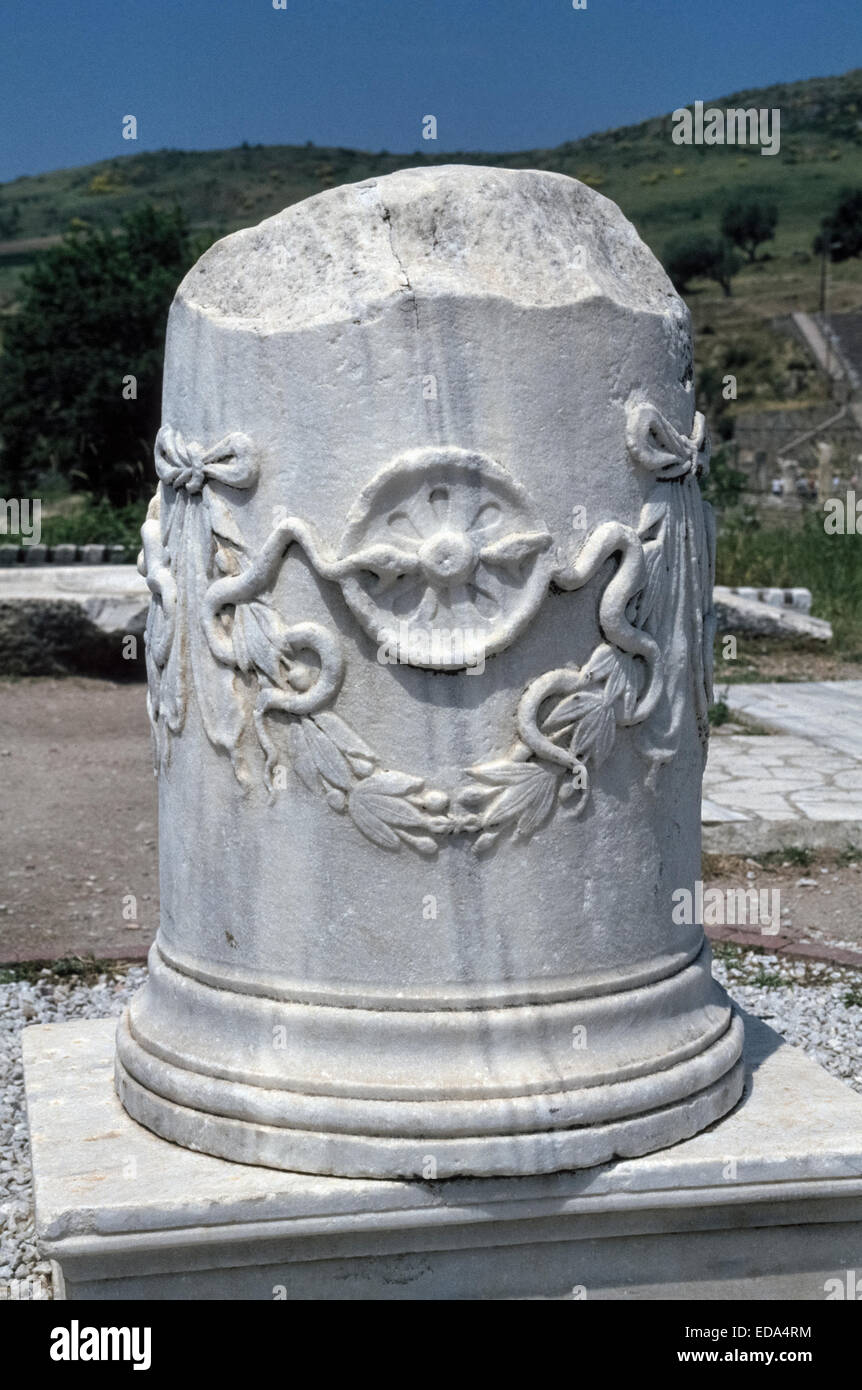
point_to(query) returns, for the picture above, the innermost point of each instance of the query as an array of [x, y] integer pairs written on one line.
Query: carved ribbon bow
[[184, 466], [183, 463], [177, 541], [690, 536], [658, 446]]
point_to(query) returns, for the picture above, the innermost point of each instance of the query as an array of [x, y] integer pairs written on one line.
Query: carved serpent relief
[[445, 535]]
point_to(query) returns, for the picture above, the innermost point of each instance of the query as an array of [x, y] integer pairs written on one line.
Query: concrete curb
[[758, 836]]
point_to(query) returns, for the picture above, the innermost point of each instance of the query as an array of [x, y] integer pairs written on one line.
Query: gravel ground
[[814, 1005], [818, 1007], [47, 998]]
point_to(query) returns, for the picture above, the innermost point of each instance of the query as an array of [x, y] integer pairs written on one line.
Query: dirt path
[[818, 896], [77, 819]]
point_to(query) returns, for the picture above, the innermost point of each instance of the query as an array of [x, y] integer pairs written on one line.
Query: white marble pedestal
[[767, 1204]]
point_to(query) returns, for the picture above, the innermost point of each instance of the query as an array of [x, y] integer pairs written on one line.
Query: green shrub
[[93, 314], [97, 522]]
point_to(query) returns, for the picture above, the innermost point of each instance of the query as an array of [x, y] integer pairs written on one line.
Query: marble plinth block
[[765, 1205], [429, 666]]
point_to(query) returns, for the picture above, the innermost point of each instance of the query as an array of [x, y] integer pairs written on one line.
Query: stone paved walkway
[[802, 786], [829, 712]]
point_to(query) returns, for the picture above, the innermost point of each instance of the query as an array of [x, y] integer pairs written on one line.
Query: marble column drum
[[429, 656]]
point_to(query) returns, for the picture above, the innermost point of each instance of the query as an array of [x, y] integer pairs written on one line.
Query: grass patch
[[848, 855], [83, 969], [729, 952], [794, 855], [804, 555], [12, 974], [93, 523], [735, 866], [768, 978]]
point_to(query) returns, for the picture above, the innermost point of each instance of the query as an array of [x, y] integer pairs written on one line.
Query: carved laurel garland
[[213, 629]]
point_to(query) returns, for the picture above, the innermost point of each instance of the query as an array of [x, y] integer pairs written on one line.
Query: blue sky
[[497, 74]]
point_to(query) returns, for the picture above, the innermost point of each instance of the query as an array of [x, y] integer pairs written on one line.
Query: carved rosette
[[445, 558], [466, 555]]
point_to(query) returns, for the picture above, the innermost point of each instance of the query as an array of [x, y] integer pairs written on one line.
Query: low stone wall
[[800, 599], [66, 555]]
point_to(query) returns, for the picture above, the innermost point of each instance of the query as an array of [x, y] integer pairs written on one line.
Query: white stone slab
[[114, 597], [713, 814], [70, 581], [766, 1204]]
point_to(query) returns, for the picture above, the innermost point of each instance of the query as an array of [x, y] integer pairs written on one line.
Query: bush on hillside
[[93, 313]]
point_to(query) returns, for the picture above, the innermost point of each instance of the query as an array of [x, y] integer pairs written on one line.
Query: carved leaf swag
[[213, 629]]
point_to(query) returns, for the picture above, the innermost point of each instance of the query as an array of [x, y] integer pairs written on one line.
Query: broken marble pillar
[[751, 617], [790, 473], [429, 667], [825, 472]]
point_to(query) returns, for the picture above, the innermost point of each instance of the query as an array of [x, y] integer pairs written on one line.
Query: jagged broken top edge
[[535, 238]]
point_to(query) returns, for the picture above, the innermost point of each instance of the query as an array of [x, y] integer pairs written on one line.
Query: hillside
[[664, 188], [658, 184]]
